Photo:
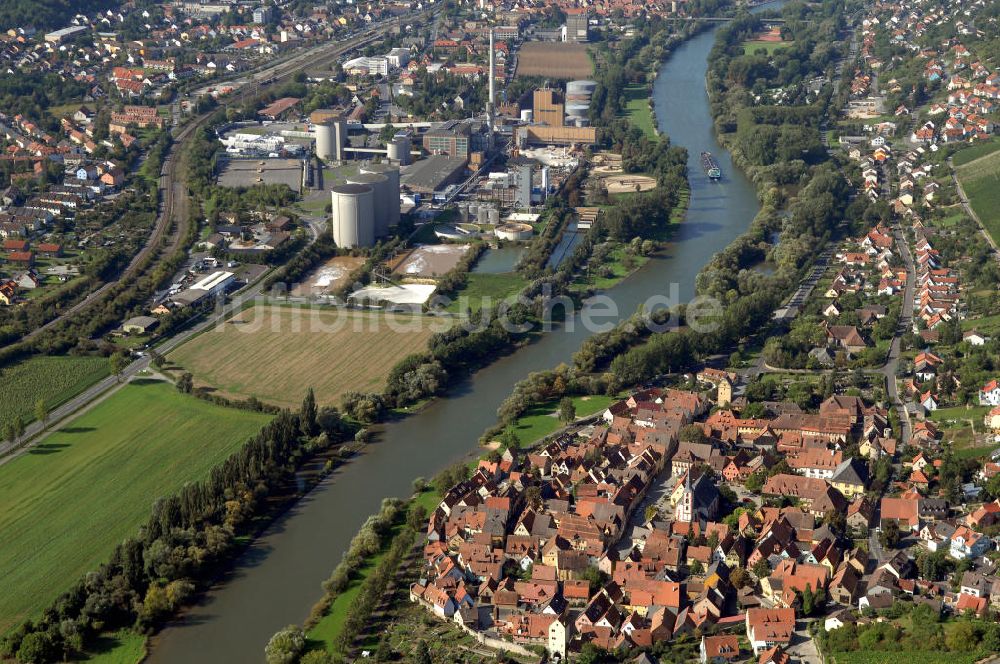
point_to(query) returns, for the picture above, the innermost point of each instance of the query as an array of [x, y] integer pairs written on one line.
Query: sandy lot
[[621, 184], [429, 260], [328, 277]]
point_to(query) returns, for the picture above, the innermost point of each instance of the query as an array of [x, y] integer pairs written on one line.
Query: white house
[[967, 543], [989, 395]]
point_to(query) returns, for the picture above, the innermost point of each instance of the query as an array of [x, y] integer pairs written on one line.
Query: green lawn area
[[974, 413], [637, 108], [541, 420], [55, 379], [123, 647], [315, 207], [616, 263], [482, 285], [965, 155], [751, 45], [981, 181], [72, 498]]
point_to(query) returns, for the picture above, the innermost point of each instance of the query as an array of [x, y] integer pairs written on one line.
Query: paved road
[[803, 647], [891, 367]]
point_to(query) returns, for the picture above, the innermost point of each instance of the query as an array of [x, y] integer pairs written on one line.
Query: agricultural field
[[69, 500], [554, 60], [981, 181], [980, 149], [276, 353], [55, 379], [483, 287]]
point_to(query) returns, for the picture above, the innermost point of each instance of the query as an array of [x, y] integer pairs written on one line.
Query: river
[[278, 578]]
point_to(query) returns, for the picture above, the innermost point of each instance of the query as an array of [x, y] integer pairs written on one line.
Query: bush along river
[[277, 580]]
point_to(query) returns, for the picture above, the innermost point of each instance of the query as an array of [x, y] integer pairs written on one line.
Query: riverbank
[[277, 579]]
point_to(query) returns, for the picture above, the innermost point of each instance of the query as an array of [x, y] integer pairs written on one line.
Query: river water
[[278, 578]]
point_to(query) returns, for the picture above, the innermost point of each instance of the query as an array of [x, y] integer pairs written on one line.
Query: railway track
[[172, 192]]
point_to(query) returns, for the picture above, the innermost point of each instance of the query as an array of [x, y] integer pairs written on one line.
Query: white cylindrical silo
[[391, 173], [484, 214], [398, 149], [353, 215], [382, 188], [325, 141], [494, 216], [527, 115]]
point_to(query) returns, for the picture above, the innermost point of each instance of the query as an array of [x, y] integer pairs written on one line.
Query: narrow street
[[905, 326]]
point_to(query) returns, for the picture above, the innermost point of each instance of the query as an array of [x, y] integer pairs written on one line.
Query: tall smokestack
[[492, 109]]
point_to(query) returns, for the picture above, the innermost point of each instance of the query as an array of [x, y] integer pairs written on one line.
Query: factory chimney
[[491, 111]]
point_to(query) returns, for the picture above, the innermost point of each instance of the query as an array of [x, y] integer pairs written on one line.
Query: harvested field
[[554, 60], [276, 353], [429, 260], [328, 277], [623, 184]]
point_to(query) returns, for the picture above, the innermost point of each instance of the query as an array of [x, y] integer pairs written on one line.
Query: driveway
[[803, 648]]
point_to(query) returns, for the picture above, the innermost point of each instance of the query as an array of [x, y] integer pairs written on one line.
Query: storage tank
[[494, 216], [484, 214], [527, 115], [353, 215], [380, 185], [331, 137], [398, 149], [473, 216], [581, 87], [391, 172], [577, 110]]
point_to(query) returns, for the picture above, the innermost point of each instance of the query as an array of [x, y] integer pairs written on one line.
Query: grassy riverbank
[[326, 633]]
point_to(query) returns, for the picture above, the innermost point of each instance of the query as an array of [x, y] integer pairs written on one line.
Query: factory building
[[548, 107], [522, 185], [577, 25], [353, 215], [456, 138], [434, 173]]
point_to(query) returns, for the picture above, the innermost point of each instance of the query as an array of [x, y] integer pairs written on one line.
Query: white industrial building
[[398, 57], [367, 65]]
